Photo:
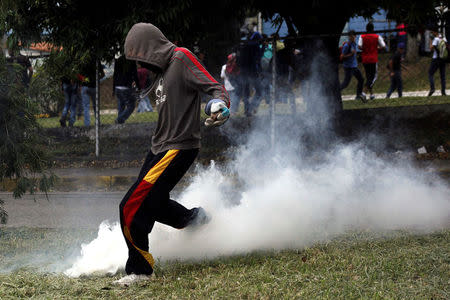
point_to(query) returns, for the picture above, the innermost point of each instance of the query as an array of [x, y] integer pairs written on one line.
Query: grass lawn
[[281, 108], [104, 119], [365, 265], [396, 102]]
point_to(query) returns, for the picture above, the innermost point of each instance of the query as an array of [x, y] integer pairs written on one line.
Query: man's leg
[[358, 76], [399, 83], [148, 201], [120, 105], [235, 100], [367, 72], [347, 78], [442, 73], [433, 68], [392, 87], [91, 92], [130, 103], [86, 102], [256, 101], [245, 92], [67, 94], [73, 105], [79, 103], [373, 77]]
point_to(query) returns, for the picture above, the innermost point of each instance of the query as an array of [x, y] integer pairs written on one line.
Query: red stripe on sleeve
[[196, 63]]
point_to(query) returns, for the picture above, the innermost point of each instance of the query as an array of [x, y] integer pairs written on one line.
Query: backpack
[[443, 50]]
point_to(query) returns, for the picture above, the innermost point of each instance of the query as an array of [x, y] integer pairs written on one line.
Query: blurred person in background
[[370, 43], [350, 65], [227, 72], [144, 83], [88, 81], [125, 78], [437, 62], [69, 87], [395, 71]]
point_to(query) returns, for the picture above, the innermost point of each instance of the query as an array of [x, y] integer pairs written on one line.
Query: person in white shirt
[[436, 63], [228, 86]]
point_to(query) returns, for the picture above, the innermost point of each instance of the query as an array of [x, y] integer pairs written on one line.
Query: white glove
[[218, 112]]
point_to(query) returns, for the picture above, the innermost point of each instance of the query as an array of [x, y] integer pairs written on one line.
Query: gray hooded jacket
[[175, 92]]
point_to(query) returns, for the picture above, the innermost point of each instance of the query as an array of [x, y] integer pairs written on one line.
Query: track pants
[[148, 201], [371, 74]]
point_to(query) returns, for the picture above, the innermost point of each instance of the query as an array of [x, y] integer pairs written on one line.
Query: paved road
[[88, 209], [62, 210]]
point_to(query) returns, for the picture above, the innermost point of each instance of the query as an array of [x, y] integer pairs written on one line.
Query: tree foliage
[[20, 157], [101, 28]]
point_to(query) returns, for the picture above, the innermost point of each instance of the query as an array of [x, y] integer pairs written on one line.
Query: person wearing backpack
[[350, 64], [438, 46]]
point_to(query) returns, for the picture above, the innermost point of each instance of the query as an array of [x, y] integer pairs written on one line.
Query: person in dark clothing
[[350, 65], [285, 68], [395, 71], [124, 79], [249, 61], [88, 85], [69, 88], [178, 79], [24, 62]]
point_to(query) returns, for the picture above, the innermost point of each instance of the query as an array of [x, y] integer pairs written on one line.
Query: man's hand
[[218, 112]]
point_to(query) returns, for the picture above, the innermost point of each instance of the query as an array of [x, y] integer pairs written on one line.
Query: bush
[[45, 91]]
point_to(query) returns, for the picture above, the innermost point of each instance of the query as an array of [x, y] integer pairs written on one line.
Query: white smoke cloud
[[280, 204], [285, 198]]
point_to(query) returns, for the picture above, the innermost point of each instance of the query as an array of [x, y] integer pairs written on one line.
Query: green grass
[[104, 119], [414, 75], [358, 265], [396, 102], [108, 119]]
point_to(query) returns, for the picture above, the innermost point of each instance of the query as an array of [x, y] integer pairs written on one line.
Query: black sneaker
[[198, 218], [62, 122], [430, 93]]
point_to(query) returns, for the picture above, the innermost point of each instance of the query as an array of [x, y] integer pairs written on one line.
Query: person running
[[395, 71], [370, 43], [350, 65], [179, 78]]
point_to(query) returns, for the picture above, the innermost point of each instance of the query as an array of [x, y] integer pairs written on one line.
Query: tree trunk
[[412, 47]]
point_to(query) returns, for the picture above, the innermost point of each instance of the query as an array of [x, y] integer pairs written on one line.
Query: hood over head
[[146, 43]]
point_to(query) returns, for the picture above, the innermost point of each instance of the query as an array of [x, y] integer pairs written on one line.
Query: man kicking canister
[[178, 79]]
